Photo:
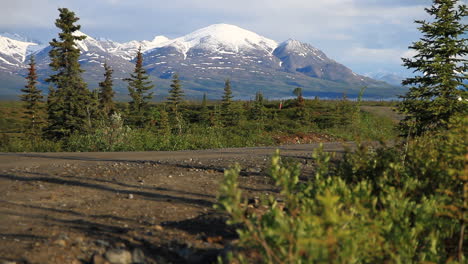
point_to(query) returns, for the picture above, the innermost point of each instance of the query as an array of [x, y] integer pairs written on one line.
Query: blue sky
[[366, 35]]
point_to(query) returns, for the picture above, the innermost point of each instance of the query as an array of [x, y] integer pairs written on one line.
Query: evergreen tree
[[215, 117], [32, 98], [204, 111], [54, 109], [438, 93], [258, 110], [302, 113], [174, 100], [139, 86], [228, 111], [93, 111], [106, 93], [344, 112], [71, 95]]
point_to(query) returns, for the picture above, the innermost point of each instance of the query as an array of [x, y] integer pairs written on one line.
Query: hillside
[[204, 59]]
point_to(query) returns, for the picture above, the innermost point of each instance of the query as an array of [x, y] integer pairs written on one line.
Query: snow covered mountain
[[204, 59], [94, 53], [128, 50], [220, 51], [13, 51], [223, 37]]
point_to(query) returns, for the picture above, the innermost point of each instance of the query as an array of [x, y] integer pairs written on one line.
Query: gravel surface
[[126, 207]]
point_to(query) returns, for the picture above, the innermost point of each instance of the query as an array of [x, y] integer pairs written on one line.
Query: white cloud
[[389, 55]]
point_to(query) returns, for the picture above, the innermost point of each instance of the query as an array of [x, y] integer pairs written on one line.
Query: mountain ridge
[[205, 57]]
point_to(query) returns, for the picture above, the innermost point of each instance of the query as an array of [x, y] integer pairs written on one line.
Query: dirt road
[[127, 207]]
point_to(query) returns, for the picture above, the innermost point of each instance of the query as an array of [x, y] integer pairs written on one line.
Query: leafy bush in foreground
[[384, 205]]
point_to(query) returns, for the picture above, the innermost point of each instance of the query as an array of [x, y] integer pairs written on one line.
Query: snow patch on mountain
[[301, 49], [15, 50], [223, 37], [129, 49], [89, 42]]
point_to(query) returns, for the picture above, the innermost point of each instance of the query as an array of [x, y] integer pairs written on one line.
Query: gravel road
[[126, 207]]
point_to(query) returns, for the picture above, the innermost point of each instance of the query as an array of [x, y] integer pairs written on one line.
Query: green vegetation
[[138, 88], [106, 93], [32, 97], [375, 205], [201, 130], [82, 120], [439, 92], [229, 115], [174, 102], [68, 102], [406, 203]]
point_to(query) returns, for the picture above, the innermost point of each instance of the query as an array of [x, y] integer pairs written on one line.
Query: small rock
[[98, 259], [118, 256], [158, 227], [78, 240], [130, 196], [138, 257], [60, 242], [254, 170]]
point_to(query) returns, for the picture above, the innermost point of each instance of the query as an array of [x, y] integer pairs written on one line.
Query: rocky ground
[[139, 207]]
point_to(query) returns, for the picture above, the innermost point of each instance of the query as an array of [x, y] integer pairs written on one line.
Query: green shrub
[[20, 143], [378, 205]]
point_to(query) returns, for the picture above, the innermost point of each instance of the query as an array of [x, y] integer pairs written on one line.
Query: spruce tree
[[258, 110], [54, 109], [204, 112], [106, 93], [32, 98], [71, 94], [139, 86], [215, 117], [228, 111], [93, 111], [438, 92], [174, 100]]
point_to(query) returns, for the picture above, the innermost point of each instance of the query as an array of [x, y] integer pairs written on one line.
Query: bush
[[110, 135], [19, 143], [384, 205]]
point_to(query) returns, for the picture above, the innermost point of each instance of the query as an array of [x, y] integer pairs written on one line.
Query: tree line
[[71, 107], [434, 97]]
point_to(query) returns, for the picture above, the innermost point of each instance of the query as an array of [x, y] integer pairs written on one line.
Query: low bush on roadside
[[377, 205]]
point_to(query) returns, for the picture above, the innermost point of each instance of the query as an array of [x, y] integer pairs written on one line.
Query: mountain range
[[203, 59]]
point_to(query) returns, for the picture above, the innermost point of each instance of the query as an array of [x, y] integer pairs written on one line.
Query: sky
[[369, 36]]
